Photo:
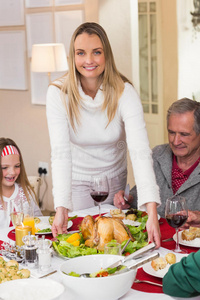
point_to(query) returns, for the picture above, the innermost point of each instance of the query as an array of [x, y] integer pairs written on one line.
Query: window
[[148, 56]]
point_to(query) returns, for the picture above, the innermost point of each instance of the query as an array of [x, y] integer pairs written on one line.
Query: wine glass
[[16, 212], [176, 214], [99, 189]]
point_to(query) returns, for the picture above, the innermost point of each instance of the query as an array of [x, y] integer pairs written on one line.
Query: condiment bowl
[[99, 288]]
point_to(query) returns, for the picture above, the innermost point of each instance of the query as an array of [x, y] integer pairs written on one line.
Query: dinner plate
[[45, 289], [45, 224], [193, 243], [161, 273]]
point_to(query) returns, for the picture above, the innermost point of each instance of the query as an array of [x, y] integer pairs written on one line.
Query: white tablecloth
[[56, 262]]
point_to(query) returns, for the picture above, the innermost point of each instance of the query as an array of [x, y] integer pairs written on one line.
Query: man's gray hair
[[185, 105]]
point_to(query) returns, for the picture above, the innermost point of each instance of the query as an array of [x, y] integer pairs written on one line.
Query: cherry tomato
[[143, 214]]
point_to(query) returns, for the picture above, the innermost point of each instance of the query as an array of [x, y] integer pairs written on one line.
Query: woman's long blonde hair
[[22, 178], [111, 80]]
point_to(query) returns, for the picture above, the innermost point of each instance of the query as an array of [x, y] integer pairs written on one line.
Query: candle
[[21, 231]]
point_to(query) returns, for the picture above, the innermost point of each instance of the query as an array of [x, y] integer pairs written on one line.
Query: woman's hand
[[119, 201], [152, 224], [60, 222]]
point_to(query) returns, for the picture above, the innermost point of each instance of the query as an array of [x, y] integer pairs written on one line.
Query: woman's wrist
[[61, 208], [152, 209]]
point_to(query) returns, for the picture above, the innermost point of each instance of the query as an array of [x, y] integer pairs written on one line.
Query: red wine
[[99, 196], [176, 220]]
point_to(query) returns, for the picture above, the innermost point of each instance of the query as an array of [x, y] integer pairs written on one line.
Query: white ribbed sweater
[[96, 148]]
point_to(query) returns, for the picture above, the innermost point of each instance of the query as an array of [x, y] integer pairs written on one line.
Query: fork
[[146, 281]]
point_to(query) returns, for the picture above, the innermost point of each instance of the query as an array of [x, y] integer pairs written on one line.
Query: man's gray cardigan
[[162, 162]]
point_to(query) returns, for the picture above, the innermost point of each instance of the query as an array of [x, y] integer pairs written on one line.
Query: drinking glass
[[114, 249], [99, 189], [16, 212], [176, 214], [29, 216]]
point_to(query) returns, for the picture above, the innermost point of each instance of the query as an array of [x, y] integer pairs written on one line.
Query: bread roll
[[195, 230], [187, 235], [170, 258], [131, 217], [158, 263], [191, 234], [117, 213]]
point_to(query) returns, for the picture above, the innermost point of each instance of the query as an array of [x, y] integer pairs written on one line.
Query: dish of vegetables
[[73, 245]]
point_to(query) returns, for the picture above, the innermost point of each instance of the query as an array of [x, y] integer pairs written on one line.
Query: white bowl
[[31, 289], [101, 288]]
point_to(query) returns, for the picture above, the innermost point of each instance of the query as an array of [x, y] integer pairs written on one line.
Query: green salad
[[101, 273], [66, 249], [44, 230]]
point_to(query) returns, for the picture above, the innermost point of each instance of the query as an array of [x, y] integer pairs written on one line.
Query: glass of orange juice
[[29, 216]]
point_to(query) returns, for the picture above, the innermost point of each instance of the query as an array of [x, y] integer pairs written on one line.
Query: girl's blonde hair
[[111, 80], [22, 178]]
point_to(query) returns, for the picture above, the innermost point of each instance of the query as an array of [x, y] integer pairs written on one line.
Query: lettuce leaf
[[68, 250]]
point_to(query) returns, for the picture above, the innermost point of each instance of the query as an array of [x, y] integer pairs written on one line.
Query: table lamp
[[49, 58]]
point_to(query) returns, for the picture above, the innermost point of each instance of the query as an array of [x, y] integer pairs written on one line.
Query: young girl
[[14, 182]]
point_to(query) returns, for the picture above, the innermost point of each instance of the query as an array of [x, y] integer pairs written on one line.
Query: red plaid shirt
[[178, 176]]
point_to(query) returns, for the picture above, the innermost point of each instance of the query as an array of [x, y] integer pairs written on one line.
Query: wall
[[26, 123], [119, 34], [169, 55], [114, 16], [188, 52]]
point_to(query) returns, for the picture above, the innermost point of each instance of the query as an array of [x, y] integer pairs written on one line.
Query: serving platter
[[161, 273], [193, 243]]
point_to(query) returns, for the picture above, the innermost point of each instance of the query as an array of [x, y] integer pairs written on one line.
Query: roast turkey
[[102, 230]]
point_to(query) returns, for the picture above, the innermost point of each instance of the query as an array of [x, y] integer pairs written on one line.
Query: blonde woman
[[93, 114]]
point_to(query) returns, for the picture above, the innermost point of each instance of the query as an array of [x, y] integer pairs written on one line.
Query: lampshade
[[48, 58]]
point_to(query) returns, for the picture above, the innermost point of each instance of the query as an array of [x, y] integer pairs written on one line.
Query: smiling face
[[10, 166], [183, 140], [89, 56]]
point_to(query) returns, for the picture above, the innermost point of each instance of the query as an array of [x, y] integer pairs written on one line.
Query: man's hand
[[60, 222], [192, 220], [152, 224], [119, 201]]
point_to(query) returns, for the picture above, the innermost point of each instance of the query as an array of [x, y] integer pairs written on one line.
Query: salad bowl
[[98, 288]]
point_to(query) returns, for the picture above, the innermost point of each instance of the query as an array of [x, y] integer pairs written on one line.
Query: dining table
[[142, 291]]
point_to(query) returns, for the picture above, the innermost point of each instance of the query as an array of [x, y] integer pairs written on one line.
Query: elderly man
[[176, 164]]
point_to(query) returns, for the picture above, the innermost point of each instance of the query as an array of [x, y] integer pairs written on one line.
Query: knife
[[135, 254], [168, 240], [126, 192]]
